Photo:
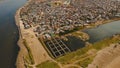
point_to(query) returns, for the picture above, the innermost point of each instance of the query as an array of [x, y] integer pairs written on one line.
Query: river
[[9, 32]]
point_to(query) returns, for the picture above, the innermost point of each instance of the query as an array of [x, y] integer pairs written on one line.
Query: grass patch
[[70, 31], [29, 67], [67, 59], [84, 63], [82, 53], [29, 58], [81, 35], [73, 67], [48, 64], [106, 42]]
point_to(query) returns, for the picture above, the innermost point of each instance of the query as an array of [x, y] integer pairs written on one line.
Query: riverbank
[[37, 51], [23, 51], [31, 51]]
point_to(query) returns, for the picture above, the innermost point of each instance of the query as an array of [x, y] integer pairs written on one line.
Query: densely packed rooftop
[[56, 16]]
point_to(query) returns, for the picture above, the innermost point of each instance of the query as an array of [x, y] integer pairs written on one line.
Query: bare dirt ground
[[39, 53], [108, 57], [114, 64], [23, 50], [22, 53]]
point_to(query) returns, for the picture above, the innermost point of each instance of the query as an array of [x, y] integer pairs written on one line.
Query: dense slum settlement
[[50, 17]]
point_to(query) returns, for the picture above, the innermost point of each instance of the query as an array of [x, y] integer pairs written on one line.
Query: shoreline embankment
[[37, 51], [23, 51]]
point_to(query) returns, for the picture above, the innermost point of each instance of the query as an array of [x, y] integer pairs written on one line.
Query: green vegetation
[[81, 57], [73, 67], [106, 42], [70, 31], [84, 63], [81, 35], [29, 59], [28, 66], [67, 59], [48, 64], [82, 53]]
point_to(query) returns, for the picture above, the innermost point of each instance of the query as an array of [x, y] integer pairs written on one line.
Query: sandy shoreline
[[39, 54], [23, 51], [19, 61]]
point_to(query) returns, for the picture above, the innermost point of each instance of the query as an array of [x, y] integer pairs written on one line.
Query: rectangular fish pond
[[59, 47]]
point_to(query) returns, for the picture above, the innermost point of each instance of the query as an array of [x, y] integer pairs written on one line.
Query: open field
[[46, 64], [84, 56], [83, 53]]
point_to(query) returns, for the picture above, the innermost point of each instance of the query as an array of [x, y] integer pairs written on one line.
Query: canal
[[9, 32]]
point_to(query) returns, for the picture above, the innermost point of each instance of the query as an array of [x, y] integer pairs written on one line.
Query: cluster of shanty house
[[54, 16]]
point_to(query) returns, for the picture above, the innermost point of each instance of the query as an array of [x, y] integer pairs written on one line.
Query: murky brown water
[[8, 32]]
